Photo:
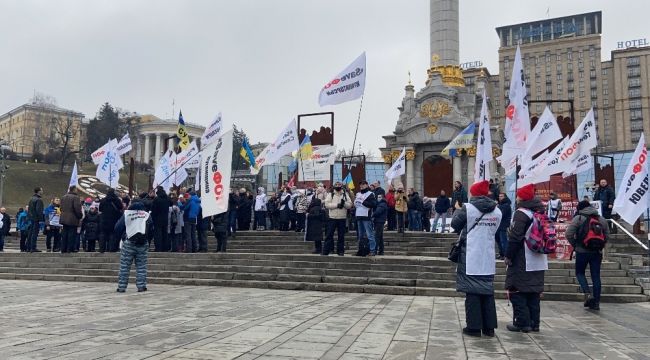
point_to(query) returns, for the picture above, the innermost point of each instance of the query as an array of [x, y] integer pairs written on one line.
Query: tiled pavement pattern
[[57, 320]]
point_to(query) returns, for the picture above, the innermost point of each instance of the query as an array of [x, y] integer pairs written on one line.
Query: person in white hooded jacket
[[260, 209]]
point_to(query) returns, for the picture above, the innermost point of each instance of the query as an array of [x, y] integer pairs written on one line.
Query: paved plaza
[[56, 320]]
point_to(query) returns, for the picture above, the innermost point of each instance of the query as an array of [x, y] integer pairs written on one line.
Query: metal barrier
[[644, 246]]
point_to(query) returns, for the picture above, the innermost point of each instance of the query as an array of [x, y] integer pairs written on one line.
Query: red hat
[[527, 192], [480, 188]]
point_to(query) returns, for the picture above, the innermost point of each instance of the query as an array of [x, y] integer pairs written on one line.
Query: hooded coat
[[160, 209], [260, 200], [380, 214], [315, 217], [573, 230], [91, 225], [110, 210], [472, 284], [517, 278]]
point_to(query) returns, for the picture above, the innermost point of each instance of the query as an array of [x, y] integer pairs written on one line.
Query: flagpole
[[357, 129]]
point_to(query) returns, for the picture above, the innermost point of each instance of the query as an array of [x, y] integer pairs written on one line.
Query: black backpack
[[138, 239]]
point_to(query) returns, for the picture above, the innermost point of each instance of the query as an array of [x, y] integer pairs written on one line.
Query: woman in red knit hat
[[525, 272], [477, 222]]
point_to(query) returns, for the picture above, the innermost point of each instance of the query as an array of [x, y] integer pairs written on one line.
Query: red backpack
[[541, 236], [592, 233]]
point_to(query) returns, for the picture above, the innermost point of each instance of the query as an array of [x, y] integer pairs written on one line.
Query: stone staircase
[[415, 264]]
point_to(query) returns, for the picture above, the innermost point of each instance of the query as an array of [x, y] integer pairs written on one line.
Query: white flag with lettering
[[124, 146], [584, 139], [213, 131], [98, 155], [484, 145], [399, 166], [517, 125], [216, 162], [108, 170], [284, 144], [164, 170], [632, 198], [74, 177], [543, 135], [529, 173], [346, 86], [583, 163]]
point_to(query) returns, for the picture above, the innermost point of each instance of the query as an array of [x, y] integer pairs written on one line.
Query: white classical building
[[153, 136]]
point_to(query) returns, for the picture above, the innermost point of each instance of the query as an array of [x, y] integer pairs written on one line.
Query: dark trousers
[[379, 237], [594, 261], [501, 238], [175, 240], [232, 222], [68, 238], [480, 312], [90, 244], [106, 241], [400, 221], [337, 225], [33, 236], [160, 239], [222, 241], [191, 244], [391, 219], [525, 308], [203, 240], [2, 241], [260, 219], [53, 239], [23, 240], [300, 218]]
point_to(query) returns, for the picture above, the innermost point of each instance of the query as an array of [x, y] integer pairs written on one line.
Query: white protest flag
[[583, 163], [74, 177], [584, 139], [213, 131], [179, 176], [216, 162], [517, 125], [484, 145], [632, 198], [163, 174], [399, 166], [529, 171], [543, 135], [284, 144], [197, 176], [188, 158], [110, 165], [551, 164], [347, 85], [124, 145], [98, 155]]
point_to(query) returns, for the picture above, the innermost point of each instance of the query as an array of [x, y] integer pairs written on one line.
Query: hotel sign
[[471, 65], [632, 43]]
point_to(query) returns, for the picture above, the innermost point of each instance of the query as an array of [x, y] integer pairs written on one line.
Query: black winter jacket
[[442, 204], [110, 209], [381, 212], [91, 226], [160, 209], [517, 278], [506, 214], [472, 284]]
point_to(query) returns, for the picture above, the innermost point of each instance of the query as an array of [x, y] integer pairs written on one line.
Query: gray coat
[[517, 278], [472, 284], [577, 222]]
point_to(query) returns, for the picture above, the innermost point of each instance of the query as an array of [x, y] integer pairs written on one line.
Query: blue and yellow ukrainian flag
[[306, 149], [247, 153], [464, 140], [348, 181], [181, 133]]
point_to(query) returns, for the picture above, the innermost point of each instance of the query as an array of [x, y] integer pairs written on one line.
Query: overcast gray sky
[[259, 62]]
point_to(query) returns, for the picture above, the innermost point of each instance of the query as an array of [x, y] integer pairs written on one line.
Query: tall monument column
[[444, 31]]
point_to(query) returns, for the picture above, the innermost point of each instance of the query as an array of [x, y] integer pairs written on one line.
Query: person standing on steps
[[501, 237], [53, 225], [477, 222], [110, 211], [134, 226], [36, 218], [337, 202], [378, 220], [390, 201], [554, 207], [588, 233], [314, 231], [220, 229], [401, 208], [160, 217], [525, 269], [606, 195], [22, 225], [458, 196], [91, 228], [441, 208], [364, 203], [260, 209], [71, 215]]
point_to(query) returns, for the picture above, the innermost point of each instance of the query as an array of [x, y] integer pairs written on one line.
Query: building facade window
[[633, 71], [603, 71], [569, 54], [634, 82], [559, 76], [633, 61], [634, 92], [635, 104]]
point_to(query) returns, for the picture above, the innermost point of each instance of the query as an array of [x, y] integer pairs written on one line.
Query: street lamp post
[[3, 169]]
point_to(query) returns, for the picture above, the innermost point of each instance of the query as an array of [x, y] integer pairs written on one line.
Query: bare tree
[[64, 130]]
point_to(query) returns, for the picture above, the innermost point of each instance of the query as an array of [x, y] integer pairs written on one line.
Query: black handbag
[[454, 252]]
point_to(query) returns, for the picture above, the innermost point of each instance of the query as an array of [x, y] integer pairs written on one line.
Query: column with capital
[[138, 149], [410, 168], [147, 149], [471, 162], [158, 150], [457, 166], [170, 142]]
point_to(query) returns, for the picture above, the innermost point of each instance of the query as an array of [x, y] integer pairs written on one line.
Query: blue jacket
[[22, 222], [380, 214], [192, 207]]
